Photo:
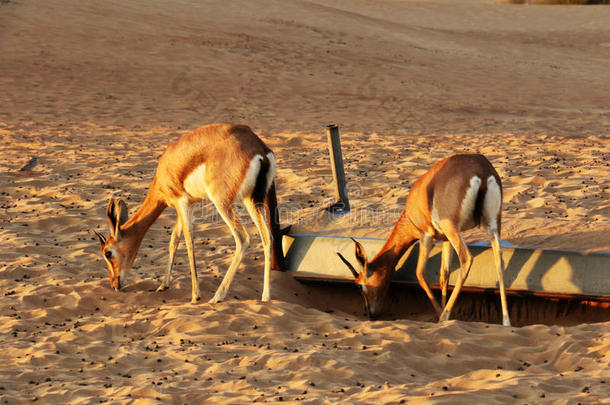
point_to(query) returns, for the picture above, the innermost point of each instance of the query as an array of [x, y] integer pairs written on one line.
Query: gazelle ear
[[123, 212], [117, 215], [111, 215], [101, 238], [360, 254]]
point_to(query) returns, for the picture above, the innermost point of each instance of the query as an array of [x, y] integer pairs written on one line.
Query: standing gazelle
[[456, 194], [221, 163]]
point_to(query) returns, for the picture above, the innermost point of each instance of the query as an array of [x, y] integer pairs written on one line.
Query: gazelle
[[219, 162], [456, 194]]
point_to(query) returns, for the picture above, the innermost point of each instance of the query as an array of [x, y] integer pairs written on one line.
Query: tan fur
[[222, 153], [213, 145], [440, 205]]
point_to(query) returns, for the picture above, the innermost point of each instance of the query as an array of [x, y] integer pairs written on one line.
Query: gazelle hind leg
[[257, 213], [492, 218], [446, 254], [174, 242], [242, 240], [278, 261], [185, 215], [497, 249], [453, 234]]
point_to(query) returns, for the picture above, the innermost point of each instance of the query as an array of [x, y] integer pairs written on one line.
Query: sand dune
[[95, 91]]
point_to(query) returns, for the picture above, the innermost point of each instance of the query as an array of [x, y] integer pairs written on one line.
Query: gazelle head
[[373, 280], [116, 249]]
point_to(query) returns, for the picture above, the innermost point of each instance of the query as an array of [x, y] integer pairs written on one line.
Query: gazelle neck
[[136, 227], [402, 237]]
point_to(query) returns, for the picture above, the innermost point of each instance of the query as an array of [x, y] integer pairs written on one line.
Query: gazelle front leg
[[446, 254], [425, 244], [465, 257], [174, 242], [185, 215]]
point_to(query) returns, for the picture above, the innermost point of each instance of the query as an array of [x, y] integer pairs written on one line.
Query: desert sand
[[95, 90]]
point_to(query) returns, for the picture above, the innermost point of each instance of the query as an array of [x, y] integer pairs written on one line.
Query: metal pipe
[[336, 160]]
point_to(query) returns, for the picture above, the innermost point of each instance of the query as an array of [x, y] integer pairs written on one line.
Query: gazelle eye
[[108, 254]]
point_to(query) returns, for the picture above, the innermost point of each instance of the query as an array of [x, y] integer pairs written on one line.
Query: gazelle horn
[[348, 264]]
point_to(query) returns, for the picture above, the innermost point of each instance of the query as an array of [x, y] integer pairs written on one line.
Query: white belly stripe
[[194, 184]]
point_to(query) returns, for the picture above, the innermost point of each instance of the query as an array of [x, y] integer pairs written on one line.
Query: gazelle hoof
[[195, 300], [162, 287], [444, 317]]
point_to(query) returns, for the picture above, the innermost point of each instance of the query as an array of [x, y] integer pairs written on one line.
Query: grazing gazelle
[[458, 193], [222, 163]]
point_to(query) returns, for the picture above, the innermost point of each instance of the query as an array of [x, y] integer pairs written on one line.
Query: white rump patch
[[492, 203], [249, 182], [194, 183], [271, 172], [467, 206]]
